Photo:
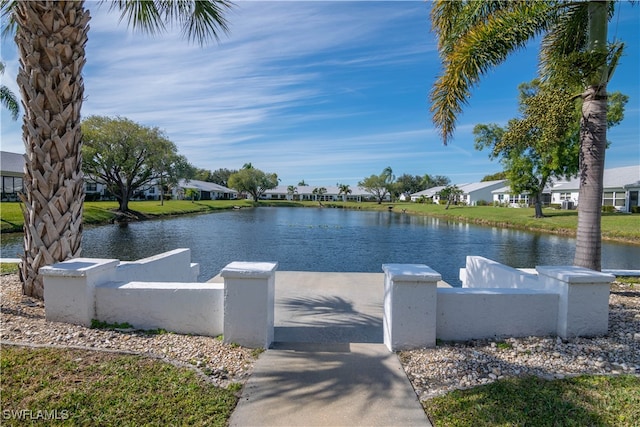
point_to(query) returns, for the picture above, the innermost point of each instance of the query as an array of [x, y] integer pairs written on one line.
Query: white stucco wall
[[482, 272], [171, 266], [189, 308], [489, 313]]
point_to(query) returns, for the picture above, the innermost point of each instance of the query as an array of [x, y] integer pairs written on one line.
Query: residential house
[[332, 194], [504, 197], [205, 190], [621, 189], [429, 193], [12, 172], [478, 192]]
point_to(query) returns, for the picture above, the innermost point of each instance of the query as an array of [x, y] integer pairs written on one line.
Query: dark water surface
[[315, 239]]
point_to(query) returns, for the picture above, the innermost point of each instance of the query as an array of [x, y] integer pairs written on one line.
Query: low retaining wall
[[498, 301], [465, 314], [187, 308]]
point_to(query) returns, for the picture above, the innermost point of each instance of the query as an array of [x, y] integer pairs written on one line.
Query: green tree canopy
[[451, 193], [494, 177], [128, 157], [253, 181], [380, 186], [544, 142]]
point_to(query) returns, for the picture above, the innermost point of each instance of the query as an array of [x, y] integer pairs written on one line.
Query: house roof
[[429, 192], [11, 162], [204, 186], [475, 186], [613, 178]]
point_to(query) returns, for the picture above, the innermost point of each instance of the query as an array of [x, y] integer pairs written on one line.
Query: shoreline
[[564, 232]]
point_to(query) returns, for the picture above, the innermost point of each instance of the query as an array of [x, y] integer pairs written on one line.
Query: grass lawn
[[615, 226], [581, 401], [98, 388]]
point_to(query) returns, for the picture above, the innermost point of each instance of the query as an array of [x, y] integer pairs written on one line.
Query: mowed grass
[[622, 227], [581, 401], [97, 388], [104, 212]]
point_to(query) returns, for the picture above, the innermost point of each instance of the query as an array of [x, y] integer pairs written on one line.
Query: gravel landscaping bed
[[453, 366]]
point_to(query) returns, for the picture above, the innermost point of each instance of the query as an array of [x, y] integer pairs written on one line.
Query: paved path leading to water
[[328, 366]]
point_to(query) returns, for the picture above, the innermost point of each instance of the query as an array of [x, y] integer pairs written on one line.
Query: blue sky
[[327, 92]]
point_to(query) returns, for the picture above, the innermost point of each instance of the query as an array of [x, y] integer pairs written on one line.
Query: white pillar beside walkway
[[410, 298], [249, 301]]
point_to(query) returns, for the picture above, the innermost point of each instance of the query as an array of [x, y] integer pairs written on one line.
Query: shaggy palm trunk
[[593, 143], [593, 137], [51, 36]]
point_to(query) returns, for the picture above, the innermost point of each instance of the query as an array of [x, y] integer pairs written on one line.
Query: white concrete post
[[584, 299], [249, 299], [69, 288], [410, 297]]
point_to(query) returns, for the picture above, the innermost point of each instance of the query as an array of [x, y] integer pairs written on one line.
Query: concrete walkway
[[328, 366]]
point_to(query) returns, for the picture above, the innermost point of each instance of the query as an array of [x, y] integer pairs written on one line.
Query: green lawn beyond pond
[[621, 227]]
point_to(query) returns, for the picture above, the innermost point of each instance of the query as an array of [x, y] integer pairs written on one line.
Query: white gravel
[[432, 372]]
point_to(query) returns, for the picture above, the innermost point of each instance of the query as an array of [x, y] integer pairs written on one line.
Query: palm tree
[[51, 38], [474, 36], [344, 190], [8, 99], [292, 190]]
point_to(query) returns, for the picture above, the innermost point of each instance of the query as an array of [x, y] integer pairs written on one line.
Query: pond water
[[316, 239]]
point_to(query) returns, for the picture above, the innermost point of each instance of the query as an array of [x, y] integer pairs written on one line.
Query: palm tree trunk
[[51, 37], [593, 143], [593, 137]]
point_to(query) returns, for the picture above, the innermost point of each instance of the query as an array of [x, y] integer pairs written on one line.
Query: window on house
[[91, 187], [607, 199]]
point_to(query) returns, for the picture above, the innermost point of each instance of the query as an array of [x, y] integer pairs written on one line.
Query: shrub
[[608, 209]]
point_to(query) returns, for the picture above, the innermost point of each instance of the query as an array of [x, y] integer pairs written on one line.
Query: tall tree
[[344, 190], [292, 190], [451, 193], [379, 186], [51, 38], [542, 144], [409, 184], [8, 99], [475, 36], [253, 181], [128, 157]]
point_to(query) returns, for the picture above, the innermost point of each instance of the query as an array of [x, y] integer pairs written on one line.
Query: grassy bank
[[582, 401], [96, 388], [615, 226]]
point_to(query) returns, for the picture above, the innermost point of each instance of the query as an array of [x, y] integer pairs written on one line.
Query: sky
[[325, 92]]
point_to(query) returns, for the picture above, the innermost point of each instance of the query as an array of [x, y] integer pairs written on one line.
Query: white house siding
[[621, 186]]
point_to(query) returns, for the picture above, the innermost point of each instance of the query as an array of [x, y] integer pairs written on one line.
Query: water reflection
[[310, 239]]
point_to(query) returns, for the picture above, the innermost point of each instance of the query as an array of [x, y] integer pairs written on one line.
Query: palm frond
[[9, 101], [8, 23], [478, 49], [200, 20], [569, 35]]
